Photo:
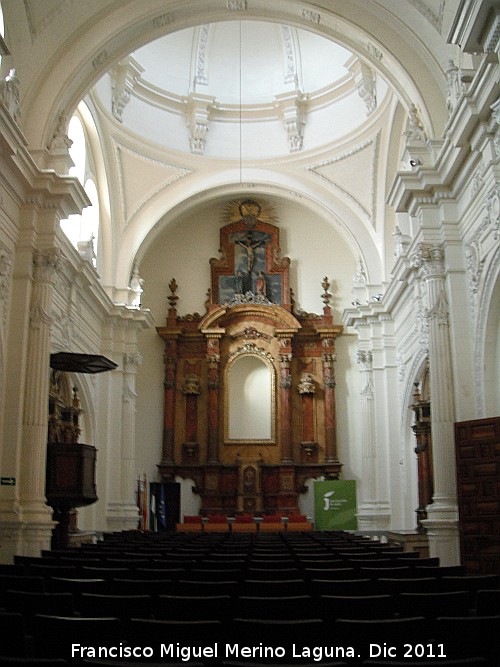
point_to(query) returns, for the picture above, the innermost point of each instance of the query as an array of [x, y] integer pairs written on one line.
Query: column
[[128, 509], [364, 359], [285, 385], [169, 386], [423, 450], [213, 382], [442, 521], [328, 359], [36, 514], [191, 389]]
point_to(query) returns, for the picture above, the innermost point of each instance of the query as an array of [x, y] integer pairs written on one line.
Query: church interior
[[248, 246]]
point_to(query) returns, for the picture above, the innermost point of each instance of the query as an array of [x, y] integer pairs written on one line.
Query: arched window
[[82, 230], [3, 48]]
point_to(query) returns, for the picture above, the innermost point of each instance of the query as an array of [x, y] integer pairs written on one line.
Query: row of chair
[[65, 637], [222, 607]]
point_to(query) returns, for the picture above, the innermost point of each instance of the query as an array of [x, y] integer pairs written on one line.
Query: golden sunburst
[[249, 211]]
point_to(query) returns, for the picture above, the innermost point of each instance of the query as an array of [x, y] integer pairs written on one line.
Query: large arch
[[167, 205], [54, 87]]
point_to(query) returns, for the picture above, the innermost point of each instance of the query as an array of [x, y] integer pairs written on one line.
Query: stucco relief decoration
[[455, 86], [401, 242], [136, 287], [237, 5], [306, 384], [45, 266], [414, 132], [251, 348], [123, 78], [495, 115], [191, 385], [475, 265], [61, 143], [493, 208], [9, 94], [429, 258], [5, 273]]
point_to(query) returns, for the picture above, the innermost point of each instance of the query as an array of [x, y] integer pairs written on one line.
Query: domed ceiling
[[235, 88]]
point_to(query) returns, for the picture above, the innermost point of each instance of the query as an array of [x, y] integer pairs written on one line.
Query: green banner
[[335, 505]]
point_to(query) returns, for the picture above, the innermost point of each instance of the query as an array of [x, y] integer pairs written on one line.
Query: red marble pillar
[[285, 400], [328, 360], [170, 360], [213, 381]]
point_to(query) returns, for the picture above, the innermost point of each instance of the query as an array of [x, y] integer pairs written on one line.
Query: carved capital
[[429, 258]]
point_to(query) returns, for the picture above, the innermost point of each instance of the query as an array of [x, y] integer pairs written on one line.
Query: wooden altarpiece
[[249, 313]]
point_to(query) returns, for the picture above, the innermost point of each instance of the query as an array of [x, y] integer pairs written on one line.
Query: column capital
[[429, 259]]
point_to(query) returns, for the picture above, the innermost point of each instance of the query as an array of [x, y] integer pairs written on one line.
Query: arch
[[57, 87], [251, 387], [487, 348], [167, 205], [409, 485]]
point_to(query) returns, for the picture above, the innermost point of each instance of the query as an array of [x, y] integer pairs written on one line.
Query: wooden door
[[477, 447]]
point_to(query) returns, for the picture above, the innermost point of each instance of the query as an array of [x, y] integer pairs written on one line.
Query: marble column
[[285, 398], [442, 521], [328, 358], [213, 398], [36, 514], [364, 359], [123, 515], [169, 385]]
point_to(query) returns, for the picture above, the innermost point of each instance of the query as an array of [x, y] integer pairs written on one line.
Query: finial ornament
[[173, 298], [326, 296]]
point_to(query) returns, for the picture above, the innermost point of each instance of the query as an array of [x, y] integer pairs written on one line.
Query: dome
[[272, 88]]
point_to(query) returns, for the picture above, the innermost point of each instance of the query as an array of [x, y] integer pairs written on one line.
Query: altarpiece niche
[[249, 391]]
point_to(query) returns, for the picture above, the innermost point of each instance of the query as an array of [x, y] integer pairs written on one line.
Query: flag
[[162, 512], [154, 517], [144, 504]]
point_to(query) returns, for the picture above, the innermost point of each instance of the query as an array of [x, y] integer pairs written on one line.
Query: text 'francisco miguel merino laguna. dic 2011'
[[236, 651]]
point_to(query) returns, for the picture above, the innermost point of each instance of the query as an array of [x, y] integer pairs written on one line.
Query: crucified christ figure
[[249, 246]]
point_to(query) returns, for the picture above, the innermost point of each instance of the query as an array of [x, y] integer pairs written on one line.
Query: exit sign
[[7, 481]]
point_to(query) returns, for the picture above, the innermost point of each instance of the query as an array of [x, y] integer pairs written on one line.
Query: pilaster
[[442, 521]]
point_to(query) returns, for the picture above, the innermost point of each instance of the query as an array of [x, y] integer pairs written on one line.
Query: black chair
[[99, 572], [160, 633], [432, 605], [137, 663], [31, 662], [274, 587], [15, 641], [232, 663], [171, 573], [274, 607], [20, 583], [397, 585], [273, 573], [465, 662], [470, 636], [77, 586], [29, 603], [141, 587], [472, 583], [120, 606], [278, 633], [357, 606], [192, 607], [363, 634], [54, 636], [196, 574], [223, 587], [344, 587], [487, 602]]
